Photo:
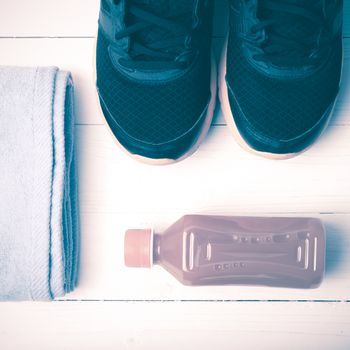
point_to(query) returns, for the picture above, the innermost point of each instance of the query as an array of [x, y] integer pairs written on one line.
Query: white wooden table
[[119, 308]]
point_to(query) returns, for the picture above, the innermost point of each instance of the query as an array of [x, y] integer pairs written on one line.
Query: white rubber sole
[[228, 116], [201, 137]]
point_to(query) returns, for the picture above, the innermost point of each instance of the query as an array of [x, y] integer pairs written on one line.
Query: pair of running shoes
[[278, 77]]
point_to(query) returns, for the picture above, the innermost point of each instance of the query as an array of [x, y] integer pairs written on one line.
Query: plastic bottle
[[218, 250]]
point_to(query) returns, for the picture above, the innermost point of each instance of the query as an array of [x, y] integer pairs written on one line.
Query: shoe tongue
[[172, 9], [289, 25]]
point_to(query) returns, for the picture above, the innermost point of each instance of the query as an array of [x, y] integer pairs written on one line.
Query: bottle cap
[[138, 248]]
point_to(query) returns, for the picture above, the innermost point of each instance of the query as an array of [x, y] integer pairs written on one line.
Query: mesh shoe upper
[[154, 111], [280, 108]]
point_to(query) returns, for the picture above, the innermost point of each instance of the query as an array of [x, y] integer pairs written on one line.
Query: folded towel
[[39, 224]]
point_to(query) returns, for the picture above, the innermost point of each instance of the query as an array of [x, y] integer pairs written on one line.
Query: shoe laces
[[296, 31], [159, 38]]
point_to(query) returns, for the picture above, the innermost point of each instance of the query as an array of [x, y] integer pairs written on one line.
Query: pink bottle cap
[[138, 248]]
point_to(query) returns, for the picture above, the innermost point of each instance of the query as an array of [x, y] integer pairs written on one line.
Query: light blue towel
[[39, 224]]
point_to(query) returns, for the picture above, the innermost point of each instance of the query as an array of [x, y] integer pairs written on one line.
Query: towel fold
[[39, 225]]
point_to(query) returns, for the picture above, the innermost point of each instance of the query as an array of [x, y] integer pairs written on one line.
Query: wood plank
[[43, 18], [152, 326], [76, 55], [219, 176], [67, 18]]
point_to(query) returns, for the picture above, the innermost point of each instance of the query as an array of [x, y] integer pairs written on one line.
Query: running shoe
[[280, 72], [155, 75]]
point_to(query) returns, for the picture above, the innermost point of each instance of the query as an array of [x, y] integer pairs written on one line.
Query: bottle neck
[[156, 248]]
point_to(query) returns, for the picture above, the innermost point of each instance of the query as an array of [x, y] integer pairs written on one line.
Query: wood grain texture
[[220, 176], [176, 325]]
